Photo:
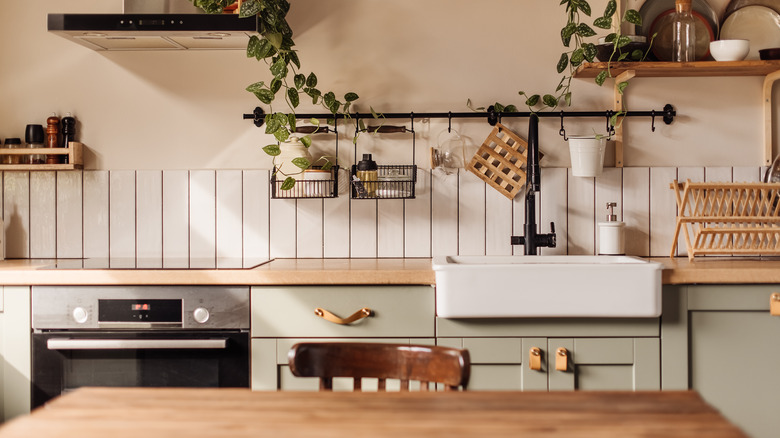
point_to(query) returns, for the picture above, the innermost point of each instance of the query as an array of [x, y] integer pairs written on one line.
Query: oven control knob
[[80, 315], [201, 314]]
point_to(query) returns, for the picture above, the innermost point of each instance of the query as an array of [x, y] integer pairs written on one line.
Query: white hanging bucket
[[587, 155]]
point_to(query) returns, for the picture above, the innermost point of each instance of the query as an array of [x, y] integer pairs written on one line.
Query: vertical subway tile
[[552, 203], [636, 210], [518, 221], [336, 226], [471, 215], [417, 218], [43, 215], [176, 218], [121, 216], [609, 188], [96, 221], [203, 217], [255, 201], [717, 174], [747, 174], [498, 223], [663, 210], [283, 228], [363, 228], [444, 213], [149, 205], [390, 228], [581, 211], [70, 198], [229, 213], [309, 228], [16, 213]]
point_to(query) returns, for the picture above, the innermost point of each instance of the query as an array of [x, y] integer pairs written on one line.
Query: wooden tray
[[728, 218], [499, 161]]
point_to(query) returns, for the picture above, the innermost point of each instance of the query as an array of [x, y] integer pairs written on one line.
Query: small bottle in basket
[[367, 173]]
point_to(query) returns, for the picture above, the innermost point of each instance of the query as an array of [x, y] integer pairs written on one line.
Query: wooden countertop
[[703, 270], [168, 412], [276, 272]]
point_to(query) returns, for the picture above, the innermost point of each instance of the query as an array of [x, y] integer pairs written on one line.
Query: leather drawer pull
[[360, 314], [561, 359]]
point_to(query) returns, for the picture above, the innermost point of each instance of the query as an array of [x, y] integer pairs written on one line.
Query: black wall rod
[[492, 116]]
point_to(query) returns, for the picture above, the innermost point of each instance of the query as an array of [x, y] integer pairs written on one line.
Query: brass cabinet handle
[[535, 358], [327, 316], [774, 304], [561, 359]]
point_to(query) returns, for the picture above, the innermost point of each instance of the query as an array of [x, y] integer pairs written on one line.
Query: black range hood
[[154, 31]]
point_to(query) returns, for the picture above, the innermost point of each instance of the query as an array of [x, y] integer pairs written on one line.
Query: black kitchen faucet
[[532, 240]]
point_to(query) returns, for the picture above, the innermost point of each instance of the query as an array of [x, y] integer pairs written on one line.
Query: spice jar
[[12, 143], [33, 137]]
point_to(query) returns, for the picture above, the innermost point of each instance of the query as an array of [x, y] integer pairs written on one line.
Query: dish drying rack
[[727, 218]]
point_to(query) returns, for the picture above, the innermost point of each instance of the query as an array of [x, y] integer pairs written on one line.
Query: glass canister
[[33, 138], [683, 32], [367, 174], [13, 143]]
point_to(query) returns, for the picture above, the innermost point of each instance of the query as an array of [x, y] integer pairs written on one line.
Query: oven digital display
[[140, 310]]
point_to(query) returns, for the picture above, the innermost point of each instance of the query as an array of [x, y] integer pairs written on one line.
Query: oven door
[[65, 360]]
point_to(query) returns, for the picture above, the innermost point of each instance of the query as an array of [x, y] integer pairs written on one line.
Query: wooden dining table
[[194, 413]]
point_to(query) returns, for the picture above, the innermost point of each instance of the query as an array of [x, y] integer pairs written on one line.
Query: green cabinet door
[[735, 354], [590, 363], [15, 341]]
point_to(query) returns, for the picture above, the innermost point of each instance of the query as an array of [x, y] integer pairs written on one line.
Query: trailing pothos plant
[[275, 47], [574, 36]]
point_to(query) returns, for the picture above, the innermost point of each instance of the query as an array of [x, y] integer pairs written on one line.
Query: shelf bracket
[[618, 106], [769, 81]]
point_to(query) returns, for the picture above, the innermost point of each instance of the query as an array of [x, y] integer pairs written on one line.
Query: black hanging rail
[[492, 116]]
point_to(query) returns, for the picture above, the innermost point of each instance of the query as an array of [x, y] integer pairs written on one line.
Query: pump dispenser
[[367, 173], [612, 233]]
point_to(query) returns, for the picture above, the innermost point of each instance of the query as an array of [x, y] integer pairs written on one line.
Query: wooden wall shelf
[[622, 71], [74, 151], [681, 69]]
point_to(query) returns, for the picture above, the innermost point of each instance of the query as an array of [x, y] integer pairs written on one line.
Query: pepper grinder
[[612, 233], [52, 137], [68, 132]]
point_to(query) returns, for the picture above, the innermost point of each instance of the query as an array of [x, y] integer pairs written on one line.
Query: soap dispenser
[[612, 233]]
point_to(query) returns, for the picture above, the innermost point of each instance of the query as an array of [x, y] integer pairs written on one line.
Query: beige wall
[[182, 110]]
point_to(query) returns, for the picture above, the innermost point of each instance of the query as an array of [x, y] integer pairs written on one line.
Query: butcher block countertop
[[239, 413], [412, 271]]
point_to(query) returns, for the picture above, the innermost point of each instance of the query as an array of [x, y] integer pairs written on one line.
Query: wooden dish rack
[[728, 218], [500, 161]]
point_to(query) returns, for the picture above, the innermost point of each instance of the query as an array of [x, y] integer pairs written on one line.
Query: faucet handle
[[552, 227]]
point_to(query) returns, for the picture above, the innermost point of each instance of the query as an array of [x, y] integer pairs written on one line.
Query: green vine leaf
[[288, 183], [292, 94], [585, 31], [577, 57], [350, 97], [294, 58], [291, 120], [279, 68], [550, 100], [532, 100], [622, 86], [633, 17], [265, 96], [609, 11], [276, 84], [562, 63], [301, 162], [282, 134], [306, 140], [622, 41], [311, 81], [253, 47], [249, 8], [510, 109], [610, 38], [601, 77], [299, 80], [275, 38], [583, 6], [603, 22], [567, 32], [257, 86], [272, 150], [589, 50]]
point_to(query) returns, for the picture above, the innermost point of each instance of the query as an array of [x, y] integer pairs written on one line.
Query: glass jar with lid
[[13, 143]]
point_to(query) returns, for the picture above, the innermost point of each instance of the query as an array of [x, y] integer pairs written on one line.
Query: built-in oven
[[152, 336]]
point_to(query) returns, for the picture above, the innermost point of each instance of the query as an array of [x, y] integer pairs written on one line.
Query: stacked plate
[[754, 20]]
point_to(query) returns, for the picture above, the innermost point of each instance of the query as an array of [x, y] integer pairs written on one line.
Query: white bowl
[[729, 50]]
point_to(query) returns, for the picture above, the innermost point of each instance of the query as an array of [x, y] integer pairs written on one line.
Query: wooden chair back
[[424, 363]]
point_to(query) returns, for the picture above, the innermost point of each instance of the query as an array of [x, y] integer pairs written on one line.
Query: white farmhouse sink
[[546, 286]]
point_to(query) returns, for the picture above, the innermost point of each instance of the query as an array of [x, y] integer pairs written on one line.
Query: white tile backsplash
[[225, 218]]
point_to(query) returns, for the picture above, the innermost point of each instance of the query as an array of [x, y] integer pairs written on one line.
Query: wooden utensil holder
[[728, 218]]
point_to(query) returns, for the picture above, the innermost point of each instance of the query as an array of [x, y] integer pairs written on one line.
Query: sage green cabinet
[[600, 354], [282, 316], [15, 341], [721, 341]]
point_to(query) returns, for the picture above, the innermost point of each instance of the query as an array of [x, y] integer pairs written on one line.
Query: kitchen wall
[[225, 218], [173, 171]]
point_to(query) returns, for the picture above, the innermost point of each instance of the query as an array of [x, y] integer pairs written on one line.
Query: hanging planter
[[587, 154]]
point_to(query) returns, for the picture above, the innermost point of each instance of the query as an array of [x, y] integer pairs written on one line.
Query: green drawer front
[[288, 312], [731, 297]]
